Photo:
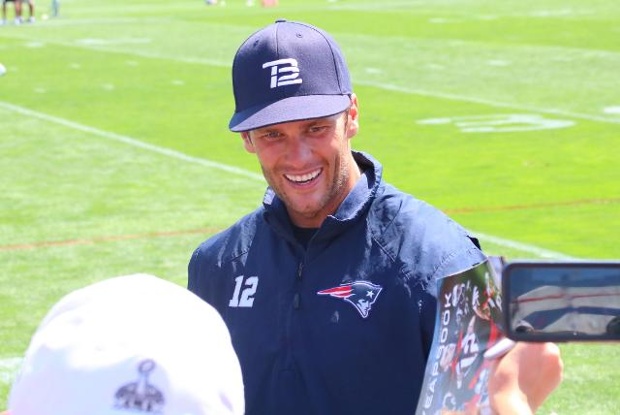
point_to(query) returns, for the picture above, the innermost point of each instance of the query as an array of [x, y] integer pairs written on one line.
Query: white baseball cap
[[133, 344]]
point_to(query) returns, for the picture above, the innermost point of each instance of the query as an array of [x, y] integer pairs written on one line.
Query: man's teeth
[[304, 177]]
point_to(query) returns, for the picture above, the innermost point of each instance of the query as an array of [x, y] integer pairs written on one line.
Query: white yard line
[[532, 249], [493, 103], [131, 141]]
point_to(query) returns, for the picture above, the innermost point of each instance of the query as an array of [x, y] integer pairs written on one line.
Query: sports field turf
[[116, 156]]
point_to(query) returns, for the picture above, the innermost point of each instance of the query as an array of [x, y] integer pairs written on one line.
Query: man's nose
[[299, 148]]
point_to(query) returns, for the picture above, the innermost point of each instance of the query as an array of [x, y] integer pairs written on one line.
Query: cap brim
[[287, 110]]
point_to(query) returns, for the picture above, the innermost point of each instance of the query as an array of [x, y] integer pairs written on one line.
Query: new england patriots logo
[[362, 294]]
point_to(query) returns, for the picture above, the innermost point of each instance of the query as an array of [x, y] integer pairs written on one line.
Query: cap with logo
[[288, 71], [129, 345]]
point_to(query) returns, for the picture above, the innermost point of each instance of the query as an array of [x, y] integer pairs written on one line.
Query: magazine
[[469, 319]]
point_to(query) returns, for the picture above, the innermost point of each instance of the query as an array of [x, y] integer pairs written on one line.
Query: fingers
[[524, 377], [549, 370]]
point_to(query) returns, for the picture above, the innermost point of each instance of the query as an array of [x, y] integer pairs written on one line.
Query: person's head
[[295, 109], [130, 345]]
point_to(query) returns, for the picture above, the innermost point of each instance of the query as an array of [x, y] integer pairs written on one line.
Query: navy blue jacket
[[343, 326]]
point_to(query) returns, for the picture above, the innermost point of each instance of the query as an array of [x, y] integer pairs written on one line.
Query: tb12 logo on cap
[[283, 72]]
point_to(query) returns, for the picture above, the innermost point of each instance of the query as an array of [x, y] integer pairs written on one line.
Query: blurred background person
[[17, 7], [30, 6]]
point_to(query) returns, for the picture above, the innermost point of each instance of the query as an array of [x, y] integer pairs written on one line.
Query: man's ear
[[247, 142], [353, 122]]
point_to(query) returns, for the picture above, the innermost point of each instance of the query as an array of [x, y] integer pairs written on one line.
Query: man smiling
[[328, 288], [308, 163]]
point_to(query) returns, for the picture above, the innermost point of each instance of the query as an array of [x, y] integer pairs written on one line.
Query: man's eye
[[270, 136], [318, 129]]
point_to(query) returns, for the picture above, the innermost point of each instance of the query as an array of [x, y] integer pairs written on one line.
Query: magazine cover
[[468, 323]]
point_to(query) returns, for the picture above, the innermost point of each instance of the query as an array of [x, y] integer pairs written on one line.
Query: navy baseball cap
[[288, 71]]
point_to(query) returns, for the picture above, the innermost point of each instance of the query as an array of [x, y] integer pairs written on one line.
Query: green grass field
[[116, 156]]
